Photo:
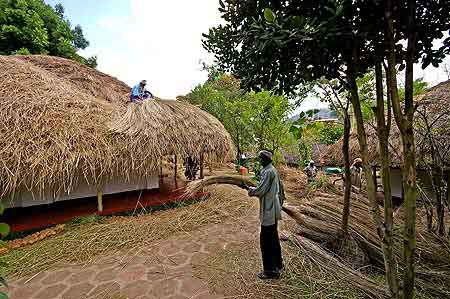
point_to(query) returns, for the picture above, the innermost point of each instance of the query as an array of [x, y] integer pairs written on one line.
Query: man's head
[[143, 83], [265, 157], [358, 162], [311, 163]]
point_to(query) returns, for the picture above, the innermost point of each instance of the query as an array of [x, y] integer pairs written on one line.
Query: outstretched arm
[[263, 186]]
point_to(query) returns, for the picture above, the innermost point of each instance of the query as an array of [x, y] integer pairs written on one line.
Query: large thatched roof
[[62, 122], [432, 115]]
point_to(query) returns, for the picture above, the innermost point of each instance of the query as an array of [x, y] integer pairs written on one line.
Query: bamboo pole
[[201, 165], [99, 199]]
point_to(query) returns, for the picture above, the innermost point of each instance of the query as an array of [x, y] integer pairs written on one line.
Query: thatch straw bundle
[[61, 122], [173, 127]]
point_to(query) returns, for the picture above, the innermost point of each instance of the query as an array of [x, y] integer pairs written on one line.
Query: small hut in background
[[432, 136], [68, 131]]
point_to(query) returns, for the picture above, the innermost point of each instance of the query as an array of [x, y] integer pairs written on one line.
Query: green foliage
[[33, 27], [4, 231], [22, 51], [419, 87], [309, 132], [255, 120]]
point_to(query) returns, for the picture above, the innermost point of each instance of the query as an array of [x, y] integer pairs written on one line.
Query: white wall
[[116, 185]]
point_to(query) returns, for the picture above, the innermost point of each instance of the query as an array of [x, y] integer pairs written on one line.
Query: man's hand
[[251, 191], [244, 186]]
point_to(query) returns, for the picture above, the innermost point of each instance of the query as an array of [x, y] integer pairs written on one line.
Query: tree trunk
[[440, 208], [390, 264], [362, 138], [348, 181], [448, 195], [405, 125]]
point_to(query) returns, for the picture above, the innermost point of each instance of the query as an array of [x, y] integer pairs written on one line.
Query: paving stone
[[78, 277], [78, 291], [104, 289], [191, 286], [164, 288], [133, 274], [136, 289], [207, 295], [34, 278], [156, 274], [192, 248], [177, 296], [170, 248], [56, 277], [133, 261], [54, 291], [106, 275], [24, 292], [177, 260]]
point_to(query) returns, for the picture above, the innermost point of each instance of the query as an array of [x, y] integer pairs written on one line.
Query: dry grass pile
[[32, 239], [233, 272], [294, 180], [319, 219], [54, 128], [236, 180], [83, 243]]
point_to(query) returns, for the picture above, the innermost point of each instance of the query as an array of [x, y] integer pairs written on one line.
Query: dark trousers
[[270, 249]]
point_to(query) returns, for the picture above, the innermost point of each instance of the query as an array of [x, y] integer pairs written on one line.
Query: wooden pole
[[99, 199], [201, 165]]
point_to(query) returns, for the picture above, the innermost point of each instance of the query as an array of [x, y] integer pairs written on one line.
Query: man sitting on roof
[[138, 93]]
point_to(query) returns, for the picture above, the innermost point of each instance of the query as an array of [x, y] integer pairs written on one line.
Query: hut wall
[[423, 179], [396, 182], [116, 185]]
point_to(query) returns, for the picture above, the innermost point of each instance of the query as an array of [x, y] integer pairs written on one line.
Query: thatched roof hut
[[62, 123], [432, 119]]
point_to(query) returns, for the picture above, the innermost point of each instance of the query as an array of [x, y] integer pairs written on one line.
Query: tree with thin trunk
[[282, 45], [340, 102]]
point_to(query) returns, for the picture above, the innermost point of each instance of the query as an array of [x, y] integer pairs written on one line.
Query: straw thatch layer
[[432, 116], [61, 122]]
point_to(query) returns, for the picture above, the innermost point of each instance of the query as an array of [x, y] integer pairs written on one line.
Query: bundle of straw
[[236, 180], [325, 260]]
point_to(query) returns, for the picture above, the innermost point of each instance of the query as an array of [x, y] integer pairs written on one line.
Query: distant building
[[323, 114]]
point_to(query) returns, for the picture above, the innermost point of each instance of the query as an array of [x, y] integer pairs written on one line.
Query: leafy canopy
[[255, 120], [33, 27]]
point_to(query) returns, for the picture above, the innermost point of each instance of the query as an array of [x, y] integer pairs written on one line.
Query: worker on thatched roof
[[356, 173], [139, 93], [271, 195], [311, 171]]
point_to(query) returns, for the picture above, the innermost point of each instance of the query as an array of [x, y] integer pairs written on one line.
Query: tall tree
[[293, 42], [33, 27]]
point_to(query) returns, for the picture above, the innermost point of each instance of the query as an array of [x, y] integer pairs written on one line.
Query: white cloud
[[159, 41]]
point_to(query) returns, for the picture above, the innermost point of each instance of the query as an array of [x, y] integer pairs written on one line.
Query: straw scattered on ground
[[233, 272]]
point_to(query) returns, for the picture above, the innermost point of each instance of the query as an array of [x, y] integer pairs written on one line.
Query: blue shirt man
[[138, 92]]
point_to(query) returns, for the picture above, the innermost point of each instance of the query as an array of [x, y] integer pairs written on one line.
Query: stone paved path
[[162, 269]]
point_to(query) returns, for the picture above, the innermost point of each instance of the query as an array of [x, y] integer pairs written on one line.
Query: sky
[[160, 41]]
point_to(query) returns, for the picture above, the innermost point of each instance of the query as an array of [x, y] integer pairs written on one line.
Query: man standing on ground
[[311, 171], [271, 196], [356, 173]]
